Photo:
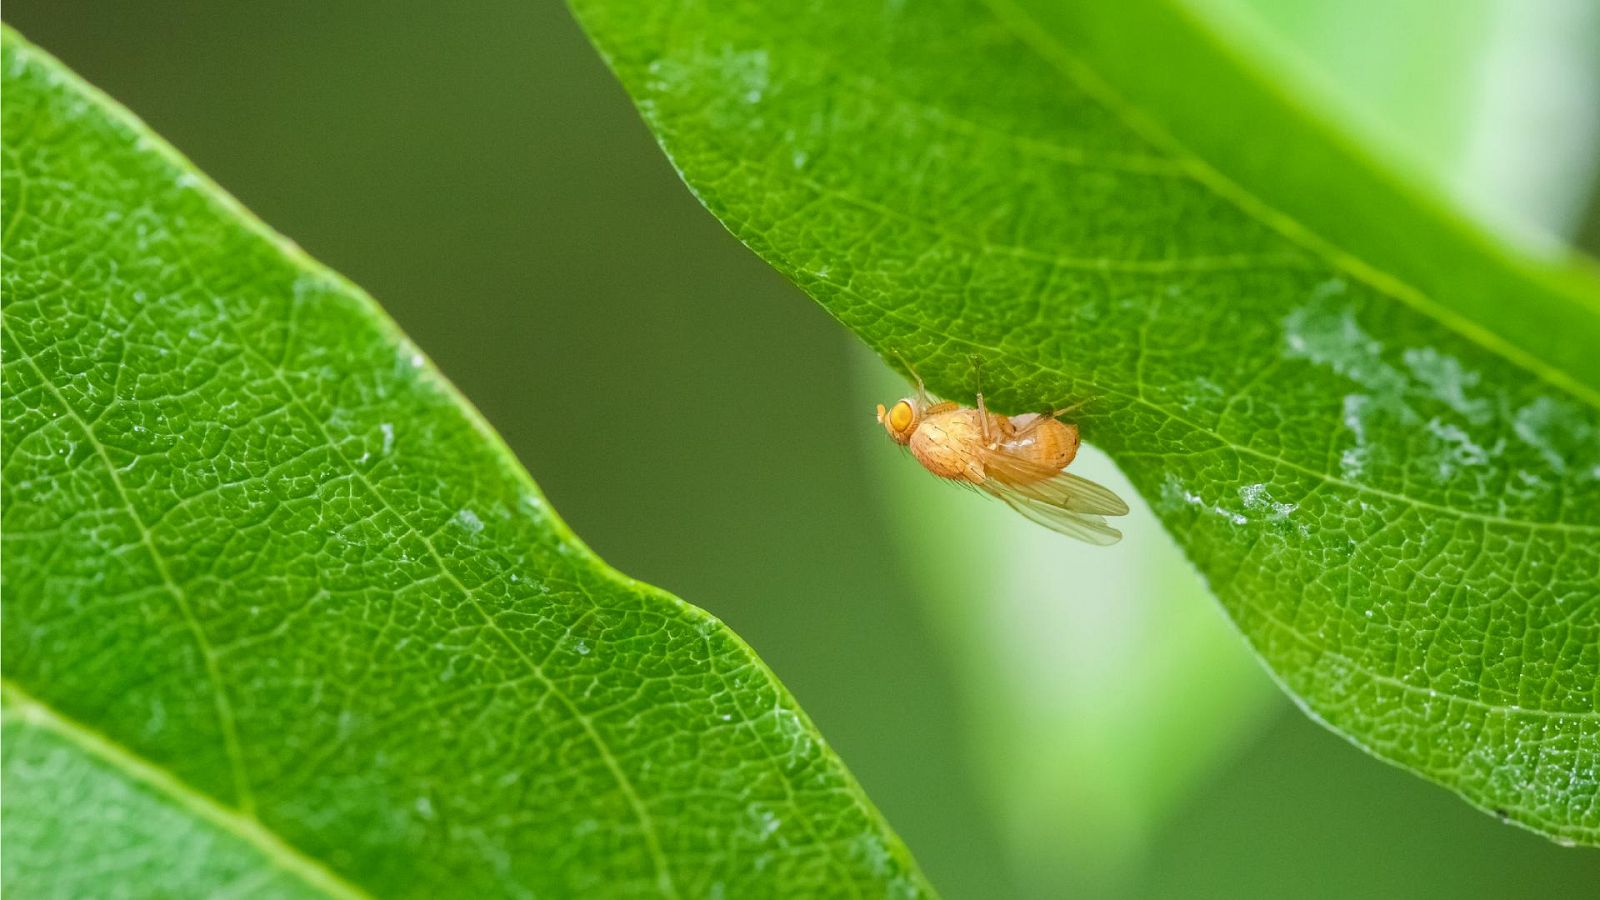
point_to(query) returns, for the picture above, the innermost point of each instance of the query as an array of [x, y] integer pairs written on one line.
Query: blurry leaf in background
[[1498, 101], [284, 616], [1312, 369]]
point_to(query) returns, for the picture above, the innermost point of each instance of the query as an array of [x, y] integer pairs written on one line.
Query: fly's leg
[[1045, 417], [1066, 409], [983, 410]]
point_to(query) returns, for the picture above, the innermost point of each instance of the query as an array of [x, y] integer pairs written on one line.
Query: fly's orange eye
[[900, 416]]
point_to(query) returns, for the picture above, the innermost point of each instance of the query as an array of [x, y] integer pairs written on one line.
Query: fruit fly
[[1019, 459]]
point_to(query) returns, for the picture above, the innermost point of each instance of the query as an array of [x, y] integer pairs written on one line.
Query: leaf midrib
[[19, 704], [222, 704], [1030, 33]]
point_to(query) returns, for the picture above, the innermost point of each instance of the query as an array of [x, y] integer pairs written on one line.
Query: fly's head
[[900, 420]]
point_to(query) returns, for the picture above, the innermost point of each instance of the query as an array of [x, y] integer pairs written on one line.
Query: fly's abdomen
[[1051, 444]]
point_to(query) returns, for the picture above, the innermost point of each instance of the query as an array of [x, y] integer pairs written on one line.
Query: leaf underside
[[1381, 449], [284, 617]]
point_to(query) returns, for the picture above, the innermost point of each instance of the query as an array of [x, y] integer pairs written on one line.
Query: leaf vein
[[21, 705]]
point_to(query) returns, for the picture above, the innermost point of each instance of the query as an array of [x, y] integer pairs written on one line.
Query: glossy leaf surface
[[283, 616], [1376, 433]]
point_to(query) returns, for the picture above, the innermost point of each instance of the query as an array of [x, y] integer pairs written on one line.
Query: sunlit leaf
[[283, 616], [1374, 431]]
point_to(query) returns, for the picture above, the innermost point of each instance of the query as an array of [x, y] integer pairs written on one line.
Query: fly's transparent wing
[[1051, 487], [1060, 501], [1082, 526]]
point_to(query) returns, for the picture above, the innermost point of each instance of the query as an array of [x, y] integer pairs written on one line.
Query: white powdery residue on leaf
[[310, 284], [408, 356], [1329, 335], [1456, 449], [794, 731], [876, 852], [1353, 459], [1174, 494], [388, 436], [1257, 499], [766, 821], [749, 70], [1527, 483], [533, 503], [1448, 382], [470, 521], [1561, 434]]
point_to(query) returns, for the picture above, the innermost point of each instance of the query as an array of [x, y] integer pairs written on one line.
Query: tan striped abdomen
[[1052, 444]]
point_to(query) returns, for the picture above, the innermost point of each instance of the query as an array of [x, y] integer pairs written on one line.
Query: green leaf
[[1374, 431], [1459, 93], [283, 616]]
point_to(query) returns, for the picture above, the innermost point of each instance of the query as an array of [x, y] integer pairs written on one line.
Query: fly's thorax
[[949, 444]]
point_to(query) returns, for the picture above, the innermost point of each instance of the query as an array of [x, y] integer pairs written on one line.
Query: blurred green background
[[1036, 718]]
